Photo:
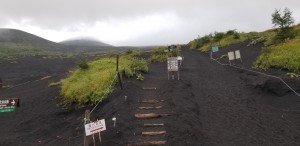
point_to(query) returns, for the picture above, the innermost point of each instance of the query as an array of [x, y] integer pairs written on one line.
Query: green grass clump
[[282, 56], [93, 84], [159, 54]]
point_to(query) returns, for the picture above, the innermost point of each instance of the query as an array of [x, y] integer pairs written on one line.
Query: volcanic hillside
[[13, 37]]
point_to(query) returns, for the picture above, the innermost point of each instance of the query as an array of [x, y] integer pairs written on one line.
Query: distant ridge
[[85, 42]]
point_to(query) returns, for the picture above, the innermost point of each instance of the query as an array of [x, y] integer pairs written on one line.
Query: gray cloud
[[194, 17]]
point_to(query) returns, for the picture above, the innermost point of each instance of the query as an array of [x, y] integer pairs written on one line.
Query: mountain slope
[[13, 37]]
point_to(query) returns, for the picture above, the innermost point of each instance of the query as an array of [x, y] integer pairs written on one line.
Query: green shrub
[[82, 64], [93, 84], [140, 77]]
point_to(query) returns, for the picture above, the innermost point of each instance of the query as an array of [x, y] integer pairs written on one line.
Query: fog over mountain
[[136, 22]]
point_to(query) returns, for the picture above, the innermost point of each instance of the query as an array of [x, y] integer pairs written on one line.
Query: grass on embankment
[[97, 81], [282, 56], [221, 39]]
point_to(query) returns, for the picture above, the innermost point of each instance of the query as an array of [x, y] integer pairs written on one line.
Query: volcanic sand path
[[213, 105]]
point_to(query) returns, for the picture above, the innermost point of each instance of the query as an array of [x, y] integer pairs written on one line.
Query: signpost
[[95, 127], [173, 66], [8, 104]]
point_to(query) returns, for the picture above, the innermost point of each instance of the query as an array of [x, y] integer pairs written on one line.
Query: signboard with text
[[173, 64], [95, 127], [8, 104]]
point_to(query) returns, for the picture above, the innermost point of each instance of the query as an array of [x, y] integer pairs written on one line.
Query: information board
[[172, 64], [215, 49]]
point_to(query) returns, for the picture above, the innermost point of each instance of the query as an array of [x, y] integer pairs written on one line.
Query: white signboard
[[95, 127], [231, 55], [237, 54], [173, 64]]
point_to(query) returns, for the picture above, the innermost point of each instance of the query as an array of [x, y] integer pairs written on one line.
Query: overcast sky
[[139, 22]]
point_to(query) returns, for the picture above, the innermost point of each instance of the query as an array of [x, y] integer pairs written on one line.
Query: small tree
[[284, 21], [219, 36]]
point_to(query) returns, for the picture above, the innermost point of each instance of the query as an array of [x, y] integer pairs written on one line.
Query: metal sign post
[[8, 104], [173, 66]]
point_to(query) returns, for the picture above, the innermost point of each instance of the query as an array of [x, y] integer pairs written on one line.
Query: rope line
[[104, 94], [260, 74]]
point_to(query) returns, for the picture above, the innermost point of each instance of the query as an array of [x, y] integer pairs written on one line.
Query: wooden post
[[118, 73], [117, 67], [86, 120], [1, 83]]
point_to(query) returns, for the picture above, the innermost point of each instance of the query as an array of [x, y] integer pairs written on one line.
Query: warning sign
[[95, 127]]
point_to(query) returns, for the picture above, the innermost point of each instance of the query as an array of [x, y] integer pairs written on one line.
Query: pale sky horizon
[[139, 22]]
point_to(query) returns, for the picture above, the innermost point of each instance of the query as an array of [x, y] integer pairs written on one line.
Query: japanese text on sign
[[95, 127], [173, 64]]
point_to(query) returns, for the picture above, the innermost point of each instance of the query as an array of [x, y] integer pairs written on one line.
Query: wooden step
[[149, 116], [149, 88], [150, 125], [150, 107], [151, 101], [153, 133], [148, 143]]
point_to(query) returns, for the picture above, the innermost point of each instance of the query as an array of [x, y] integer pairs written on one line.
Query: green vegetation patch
[[220, 39], [96, 82], [160, 55], [283, 56]]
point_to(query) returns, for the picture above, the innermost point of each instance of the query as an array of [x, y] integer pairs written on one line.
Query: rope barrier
[[104, 94], [264, 74]]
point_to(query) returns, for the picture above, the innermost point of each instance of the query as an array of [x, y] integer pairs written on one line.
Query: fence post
[[1, 83], [118, 73], [86, 120]]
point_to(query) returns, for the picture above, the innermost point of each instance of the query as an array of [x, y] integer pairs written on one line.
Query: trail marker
[[95, 127], [179, 58], [173, 66], [8, 104], [114, 119]]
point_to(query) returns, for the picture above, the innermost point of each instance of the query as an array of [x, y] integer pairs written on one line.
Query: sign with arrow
[[8, 104], [95, 127]]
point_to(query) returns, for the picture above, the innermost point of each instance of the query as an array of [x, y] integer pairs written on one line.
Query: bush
[[82, 64], [93, 84]]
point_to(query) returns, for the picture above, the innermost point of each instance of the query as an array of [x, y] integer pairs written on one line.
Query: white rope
[[104, 94], [259, 73]]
